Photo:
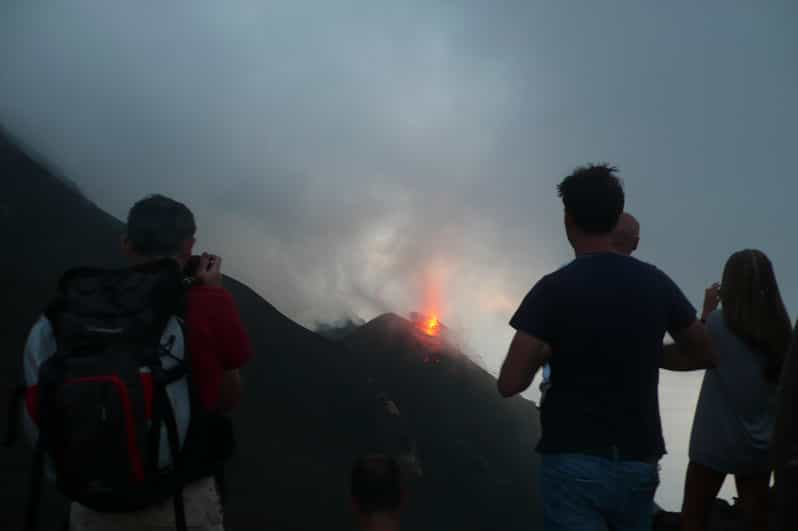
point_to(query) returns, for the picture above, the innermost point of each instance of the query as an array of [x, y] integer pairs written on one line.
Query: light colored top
[[736, 409]]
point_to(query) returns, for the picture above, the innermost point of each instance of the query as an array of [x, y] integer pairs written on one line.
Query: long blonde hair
[[753, 308]]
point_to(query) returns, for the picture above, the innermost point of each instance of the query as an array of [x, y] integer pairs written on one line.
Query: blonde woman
[[736, 409]]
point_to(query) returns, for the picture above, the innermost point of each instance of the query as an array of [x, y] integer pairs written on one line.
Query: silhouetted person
[[600, 322], [736, 408], [209, 347], [625, 238], [784, 446], [377, 493]]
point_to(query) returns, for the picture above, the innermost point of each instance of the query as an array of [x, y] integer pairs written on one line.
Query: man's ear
[[569, 220], [187, 248], [569, 225]]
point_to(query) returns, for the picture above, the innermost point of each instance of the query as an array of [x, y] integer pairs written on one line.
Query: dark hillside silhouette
[[309, 404], [306, 412]]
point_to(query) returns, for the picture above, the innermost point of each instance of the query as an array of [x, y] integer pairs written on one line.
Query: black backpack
[[115, 406]]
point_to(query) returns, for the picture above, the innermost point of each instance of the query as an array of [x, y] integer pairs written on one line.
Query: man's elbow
[[674, 359], [694, 349], [506, 389], [702, 354]]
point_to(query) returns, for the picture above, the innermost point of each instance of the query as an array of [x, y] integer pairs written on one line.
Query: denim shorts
[[587, 493]]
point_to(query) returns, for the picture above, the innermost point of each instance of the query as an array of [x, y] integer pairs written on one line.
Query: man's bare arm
[[526, 355], [230, 390], [692, 350]]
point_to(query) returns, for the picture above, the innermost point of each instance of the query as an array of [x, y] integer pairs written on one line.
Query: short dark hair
[[593, 196], [158, 225], [376, 484]]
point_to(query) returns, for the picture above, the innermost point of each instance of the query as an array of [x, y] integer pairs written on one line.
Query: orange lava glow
[[431, 326], [433, 278]]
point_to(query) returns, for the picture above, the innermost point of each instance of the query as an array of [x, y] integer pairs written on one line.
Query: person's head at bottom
[[377, 493]]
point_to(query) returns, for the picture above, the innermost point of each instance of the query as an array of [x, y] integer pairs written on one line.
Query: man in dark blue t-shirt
[[625, 238], [600, 321]]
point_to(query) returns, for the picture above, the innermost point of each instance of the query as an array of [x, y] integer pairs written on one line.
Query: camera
[[191, 269], [192, 266]]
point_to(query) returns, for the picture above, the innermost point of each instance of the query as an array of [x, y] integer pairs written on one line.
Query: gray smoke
[[344, 156]]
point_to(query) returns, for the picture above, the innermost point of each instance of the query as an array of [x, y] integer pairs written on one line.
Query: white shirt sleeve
[[40, 346]]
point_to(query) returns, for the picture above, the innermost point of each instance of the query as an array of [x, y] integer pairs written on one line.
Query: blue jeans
[[587, 493]]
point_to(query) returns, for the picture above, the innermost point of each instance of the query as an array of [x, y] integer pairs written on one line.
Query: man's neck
[[379, 522], [593, 245]]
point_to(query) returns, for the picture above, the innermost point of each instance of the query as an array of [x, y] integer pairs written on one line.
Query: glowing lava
[[431, 326]]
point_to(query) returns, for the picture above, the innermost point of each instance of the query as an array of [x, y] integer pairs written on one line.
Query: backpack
[[109, 397]]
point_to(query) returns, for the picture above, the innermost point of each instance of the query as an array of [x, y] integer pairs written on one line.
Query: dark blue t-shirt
[[605, 316]]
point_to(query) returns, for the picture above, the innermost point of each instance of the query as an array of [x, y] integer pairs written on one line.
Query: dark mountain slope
[[308, 401], [473, 444]]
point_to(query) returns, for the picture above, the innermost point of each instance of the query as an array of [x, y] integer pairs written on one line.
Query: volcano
[[428, 324], [308, 409], [474, 446], [309, 402]]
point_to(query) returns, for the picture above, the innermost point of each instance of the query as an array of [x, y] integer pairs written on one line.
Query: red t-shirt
[[217, 340]]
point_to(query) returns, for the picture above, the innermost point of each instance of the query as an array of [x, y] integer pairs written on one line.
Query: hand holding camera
[[205, 269]]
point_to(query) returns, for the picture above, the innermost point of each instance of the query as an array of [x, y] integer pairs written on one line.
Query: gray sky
[[353, 157]]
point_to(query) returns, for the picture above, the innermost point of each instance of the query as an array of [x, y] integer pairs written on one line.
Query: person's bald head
[[626, 235]]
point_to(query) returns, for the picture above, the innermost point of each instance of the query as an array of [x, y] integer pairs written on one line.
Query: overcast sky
[[354, 157]]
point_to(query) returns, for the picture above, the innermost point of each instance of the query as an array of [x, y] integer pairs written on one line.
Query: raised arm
[[233, 347], [692, 349]]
